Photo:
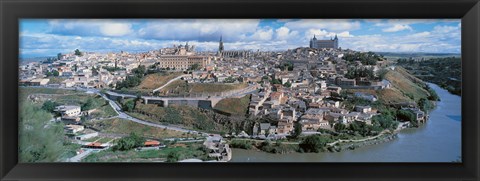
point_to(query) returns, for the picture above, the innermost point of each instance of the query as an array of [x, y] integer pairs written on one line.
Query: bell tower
[[220, 47]]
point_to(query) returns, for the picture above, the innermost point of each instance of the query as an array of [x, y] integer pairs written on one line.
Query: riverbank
[[437, 140], [354, 145]]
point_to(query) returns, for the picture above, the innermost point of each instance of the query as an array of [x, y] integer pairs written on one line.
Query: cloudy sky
[[48, 37]]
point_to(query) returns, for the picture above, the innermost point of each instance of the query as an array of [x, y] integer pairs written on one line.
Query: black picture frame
[[11, 11]]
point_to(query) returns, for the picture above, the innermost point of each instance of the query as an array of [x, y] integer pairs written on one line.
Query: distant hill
[[33, 59], [416, 55]]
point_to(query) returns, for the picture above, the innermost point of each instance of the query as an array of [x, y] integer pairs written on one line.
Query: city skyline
[[47, 37]]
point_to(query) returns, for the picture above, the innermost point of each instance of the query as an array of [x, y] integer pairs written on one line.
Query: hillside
[[153, 81], [405, 88], [445, 72], [233, 106], [191, 118], [180, 87]]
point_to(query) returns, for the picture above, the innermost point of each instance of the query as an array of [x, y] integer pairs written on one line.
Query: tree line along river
[[438, 140]]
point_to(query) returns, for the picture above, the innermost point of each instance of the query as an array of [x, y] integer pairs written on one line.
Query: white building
[[69, 111]]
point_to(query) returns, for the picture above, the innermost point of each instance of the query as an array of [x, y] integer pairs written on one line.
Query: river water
[[439, 140]]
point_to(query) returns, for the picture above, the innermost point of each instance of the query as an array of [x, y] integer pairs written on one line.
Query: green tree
[[88, 105], [49, 106], [195, 66], [78, 52], [339, 127], [276, 81], [314, 143], [129, 106], [230, 79], [425, 105], [385, 121], [56, 73], [52, 73], [432, 94], [287, 84], [129, 142], [381, 73], [406, 115], [140, 70], [59, 56], [173, 156], [297, 130], [39, 140]]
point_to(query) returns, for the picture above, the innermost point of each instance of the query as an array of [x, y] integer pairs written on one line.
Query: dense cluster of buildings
[[305, 94]]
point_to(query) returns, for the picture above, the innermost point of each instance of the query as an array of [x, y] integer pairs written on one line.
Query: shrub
[[49, 106], [314, 143], [243, 144], [129, 142]]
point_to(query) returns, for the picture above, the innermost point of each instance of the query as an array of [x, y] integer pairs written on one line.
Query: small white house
[[71, 128], [67, 110]]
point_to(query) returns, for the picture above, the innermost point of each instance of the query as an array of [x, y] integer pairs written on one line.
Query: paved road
[[360, 140], [80, 156]]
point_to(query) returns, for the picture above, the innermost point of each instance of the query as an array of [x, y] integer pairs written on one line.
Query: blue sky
[[47, 37]]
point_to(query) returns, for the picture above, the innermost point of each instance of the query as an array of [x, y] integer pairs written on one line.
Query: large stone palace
[[181, 57], [319, 44]]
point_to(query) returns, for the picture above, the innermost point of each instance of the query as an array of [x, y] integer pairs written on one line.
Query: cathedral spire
[[220, 46]]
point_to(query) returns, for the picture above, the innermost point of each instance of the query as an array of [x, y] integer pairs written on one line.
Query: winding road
[[124, 115]]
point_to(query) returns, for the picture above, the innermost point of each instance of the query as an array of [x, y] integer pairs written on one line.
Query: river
[[439, 140]]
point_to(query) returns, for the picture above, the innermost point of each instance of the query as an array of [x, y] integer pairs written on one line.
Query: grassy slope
[[403, 84], [234, 106], [70, 97], [185, 116], [153, 81], [56, 80], [121, 126], [179, 87], [406, 84], [216, 87]]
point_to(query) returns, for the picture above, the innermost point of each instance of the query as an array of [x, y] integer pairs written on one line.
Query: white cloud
[[90, 27], [283, 33], [200, 30], [115, 29], [116, 35], [445, 29], [325, 24], [262, 35], [397, 27], [421, 34]]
